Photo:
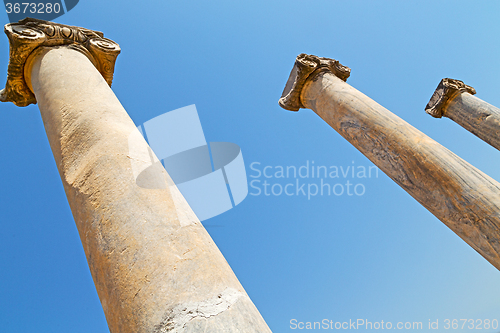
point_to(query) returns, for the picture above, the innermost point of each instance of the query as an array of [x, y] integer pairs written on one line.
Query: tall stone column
[[453, 99], [155, 267], [461, 196]]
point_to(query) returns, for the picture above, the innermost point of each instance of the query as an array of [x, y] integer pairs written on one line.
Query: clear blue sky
[[378, 256]]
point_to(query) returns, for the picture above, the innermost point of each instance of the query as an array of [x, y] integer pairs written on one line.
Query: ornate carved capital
[[445, 92], [28, 34], [307, 66]]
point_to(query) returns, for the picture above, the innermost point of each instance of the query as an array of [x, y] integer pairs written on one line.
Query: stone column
[[461, 196], [155, 267], [453, 99]]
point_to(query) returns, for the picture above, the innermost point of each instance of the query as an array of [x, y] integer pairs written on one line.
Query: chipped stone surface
[[148, 258], [461, 196], [182, 314]]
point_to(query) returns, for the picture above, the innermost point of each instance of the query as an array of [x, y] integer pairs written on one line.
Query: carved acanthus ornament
[[444, 93], [307, 66], [29, 34]]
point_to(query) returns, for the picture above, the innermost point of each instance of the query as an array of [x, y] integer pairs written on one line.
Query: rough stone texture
[[155, 269], [475, 115], [461, 196], [154, 266]]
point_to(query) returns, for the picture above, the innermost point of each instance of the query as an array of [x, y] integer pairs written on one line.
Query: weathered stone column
[[461, 196], [155, 267], [453, 99]]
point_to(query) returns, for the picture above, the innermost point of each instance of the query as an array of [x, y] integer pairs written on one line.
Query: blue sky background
[[379, 256]]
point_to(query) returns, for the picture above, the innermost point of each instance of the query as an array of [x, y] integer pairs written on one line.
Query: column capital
[[28, 34], [307, 66], [444, 93]]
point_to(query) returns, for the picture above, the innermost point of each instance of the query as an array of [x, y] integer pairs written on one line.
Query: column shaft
[[461, 196], [155, 268]]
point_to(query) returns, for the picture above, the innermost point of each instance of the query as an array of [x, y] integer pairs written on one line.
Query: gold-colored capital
[[29, 34], [307, 66], [444, 93]]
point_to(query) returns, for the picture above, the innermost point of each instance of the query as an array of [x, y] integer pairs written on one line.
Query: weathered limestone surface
[[155, 267], [461, 196], [453, 99]]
